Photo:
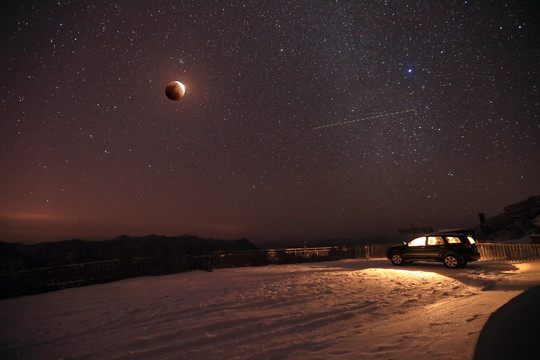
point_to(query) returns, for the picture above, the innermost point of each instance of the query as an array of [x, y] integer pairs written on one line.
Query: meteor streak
[[366, 118]]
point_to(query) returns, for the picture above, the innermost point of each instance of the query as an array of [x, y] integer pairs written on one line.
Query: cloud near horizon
[[33, 216]]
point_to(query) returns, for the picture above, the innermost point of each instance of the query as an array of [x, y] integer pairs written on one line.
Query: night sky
[[433, 107]]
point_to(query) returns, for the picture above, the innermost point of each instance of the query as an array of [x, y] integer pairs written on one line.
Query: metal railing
[[509, 252], [59, 277], [46, 279]]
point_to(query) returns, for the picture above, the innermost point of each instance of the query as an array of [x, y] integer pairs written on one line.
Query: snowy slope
[[350, 309]]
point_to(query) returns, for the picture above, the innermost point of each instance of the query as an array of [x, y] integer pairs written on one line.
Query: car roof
[[446, 234]]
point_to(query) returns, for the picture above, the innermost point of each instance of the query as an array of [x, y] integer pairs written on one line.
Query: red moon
[[175, 90]]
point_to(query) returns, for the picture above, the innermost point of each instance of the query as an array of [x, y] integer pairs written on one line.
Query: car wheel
[[451, 261], [396, 259]]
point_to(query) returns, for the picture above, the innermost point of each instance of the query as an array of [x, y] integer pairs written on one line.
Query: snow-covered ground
[[350, 309]]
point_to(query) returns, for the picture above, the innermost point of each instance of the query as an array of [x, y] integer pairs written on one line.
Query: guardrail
[[54, 278], [41, 280], [509, 252]]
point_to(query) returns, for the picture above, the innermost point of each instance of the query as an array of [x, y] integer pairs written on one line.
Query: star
[[88, 128]]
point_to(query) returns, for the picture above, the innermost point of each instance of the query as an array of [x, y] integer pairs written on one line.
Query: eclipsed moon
[[175, 90]]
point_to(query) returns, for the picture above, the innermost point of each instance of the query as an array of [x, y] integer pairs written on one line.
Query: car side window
[[421, 241], [435, 240], [453, 240]]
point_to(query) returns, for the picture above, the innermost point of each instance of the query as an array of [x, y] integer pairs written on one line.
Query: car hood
[[399, 247]]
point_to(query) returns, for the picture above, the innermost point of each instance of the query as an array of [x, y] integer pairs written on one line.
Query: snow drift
[[348, 309]]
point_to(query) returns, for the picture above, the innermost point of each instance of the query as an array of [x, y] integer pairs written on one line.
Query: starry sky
[[301, 119]]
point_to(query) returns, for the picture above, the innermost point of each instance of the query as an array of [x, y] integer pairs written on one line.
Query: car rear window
[[453, 240]]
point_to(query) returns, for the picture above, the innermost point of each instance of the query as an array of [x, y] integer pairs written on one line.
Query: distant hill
[[517, 221], [16, 256]]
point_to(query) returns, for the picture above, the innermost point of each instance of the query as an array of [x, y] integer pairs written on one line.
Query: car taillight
[[466, 245]]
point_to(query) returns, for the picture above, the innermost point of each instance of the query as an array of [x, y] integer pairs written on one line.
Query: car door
[[434, 247], [417, 248]]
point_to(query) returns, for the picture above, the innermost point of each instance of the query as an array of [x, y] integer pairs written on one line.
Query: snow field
[[349, 309]]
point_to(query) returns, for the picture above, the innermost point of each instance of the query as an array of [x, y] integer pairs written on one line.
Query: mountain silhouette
[[17, 256]]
